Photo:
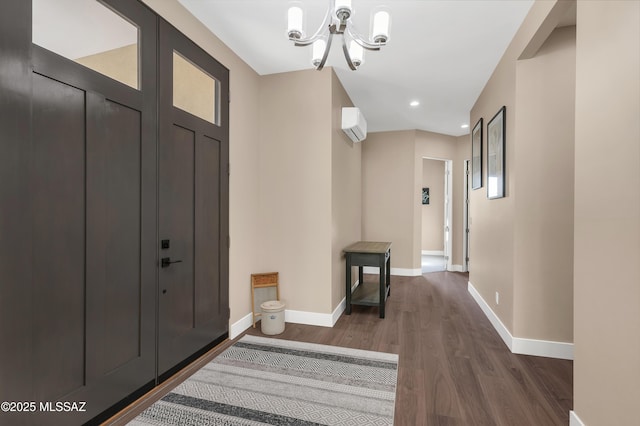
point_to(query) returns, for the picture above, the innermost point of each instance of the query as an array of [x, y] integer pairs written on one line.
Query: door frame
[[465, 215], [448, 210], [448, 214]]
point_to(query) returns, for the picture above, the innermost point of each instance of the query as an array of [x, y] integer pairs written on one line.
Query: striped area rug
[[261, 381]]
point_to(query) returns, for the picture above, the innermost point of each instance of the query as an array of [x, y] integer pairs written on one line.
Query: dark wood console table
[[367, 253]]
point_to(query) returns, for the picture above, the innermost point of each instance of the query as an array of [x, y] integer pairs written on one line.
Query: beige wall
[[310, 187], [433, 213], [493, 222], [294, 185], [389, 197], [392, 190], [543, 190], [244, 210], [346, 192], [607, 213]]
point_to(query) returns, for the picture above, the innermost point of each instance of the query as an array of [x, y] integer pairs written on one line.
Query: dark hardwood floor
[[453, 367], [453, 370]]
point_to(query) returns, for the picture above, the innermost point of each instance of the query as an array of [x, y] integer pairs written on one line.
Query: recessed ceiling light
[[414, 103], [465, 126]]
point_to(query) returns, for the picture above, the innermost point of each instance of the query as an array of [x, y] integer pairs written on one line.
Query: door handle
[[165, 262]]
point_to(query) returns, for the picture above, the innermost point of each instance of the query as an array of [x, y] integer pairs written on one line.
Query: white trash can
[[272, 317]]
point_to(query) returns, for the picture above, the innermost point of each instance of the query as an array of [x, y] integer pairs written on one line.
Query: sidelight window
[[91, 34]]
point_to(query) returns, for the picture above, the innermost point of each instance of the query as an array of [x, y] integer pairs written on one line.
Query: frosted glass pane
[[89, 33], [194, 91]]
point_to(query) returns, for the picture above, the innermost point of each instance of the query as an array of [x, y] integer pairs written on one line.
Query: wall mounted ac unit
[[354, 124]]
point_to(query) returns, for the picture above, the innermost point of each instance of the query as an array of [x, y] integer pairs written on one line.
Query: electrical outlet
[[497, 298]]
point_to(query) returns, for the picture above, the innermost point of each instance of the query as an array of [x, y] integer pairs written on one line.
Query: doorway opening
[[436, 215]]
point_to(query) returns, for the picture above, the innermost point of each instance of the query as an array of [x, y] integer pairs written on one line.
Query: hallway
[[433, 263]]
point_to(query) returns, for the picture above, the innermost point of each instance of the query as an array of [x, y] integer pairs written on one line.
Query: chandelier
[[337, 21]]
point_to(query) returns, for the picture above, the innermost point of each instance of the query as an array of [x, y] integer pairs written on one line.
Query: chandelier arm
[[353, 33], [306, 41], [319, 32], [326, 53], [347, 56]]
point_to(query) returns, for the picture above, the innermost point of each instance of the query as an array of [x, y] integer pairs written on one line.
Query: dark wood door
[[16, 272], [193, 211], [89, 202], [82, 314]]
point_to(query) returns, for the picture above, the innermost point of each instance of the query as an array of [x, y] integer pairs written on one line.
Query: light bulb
[[343, 9], [294, 27], [356, 52], [380, 30], [317, 52]]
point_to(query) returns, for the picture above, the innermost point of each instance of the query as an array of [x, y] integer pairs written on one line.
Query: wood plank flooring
[[453, 367]]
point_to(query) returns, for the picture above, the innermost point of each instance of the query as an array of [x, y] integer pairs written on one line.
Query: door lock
[[165, 262]]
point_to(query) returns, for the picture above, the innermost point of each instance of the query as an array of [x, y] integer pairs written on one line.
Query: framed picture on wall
[[476, 156], [425, 195], [496, 129]]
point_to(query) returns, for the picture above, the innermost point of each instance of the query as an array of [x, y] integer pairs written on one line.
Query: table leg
[[383, 287], [348, 286], [389, 272], [360, 275]]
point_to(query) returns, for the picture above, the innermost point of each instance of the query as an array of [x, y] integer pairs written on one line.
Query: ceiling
[[440, 53]]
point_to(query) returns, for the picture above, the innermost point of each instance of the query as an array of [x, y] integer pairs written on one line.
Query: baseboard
[[308, 318], [238, 327], [298, 317], [432, 252], [502, 330], [574, 420], [406, 272], [401, 272], [335, 315], [546, 348], [518, 345]]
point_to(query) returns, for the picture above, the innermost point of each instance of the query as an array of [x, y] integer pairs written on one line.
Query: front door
[[193, 201], [90, 183], [83, 200]]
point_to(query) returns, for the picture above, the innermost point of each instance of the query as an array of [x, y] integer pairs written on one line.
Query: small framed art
[[496, 129], [425, 195], [476, 156]]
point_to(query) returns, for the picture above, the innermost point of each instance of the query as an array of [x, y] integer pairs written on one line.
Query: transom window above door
[[91, 34], [194, 90]]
